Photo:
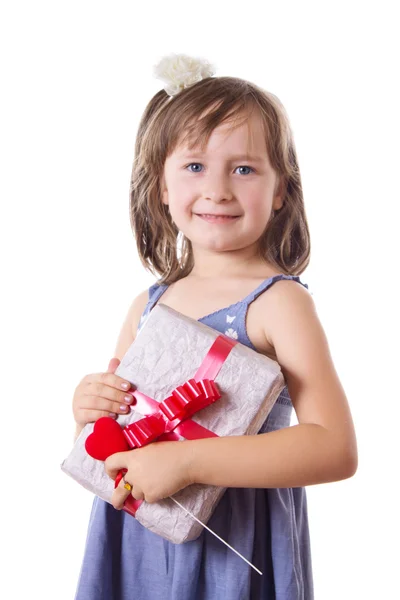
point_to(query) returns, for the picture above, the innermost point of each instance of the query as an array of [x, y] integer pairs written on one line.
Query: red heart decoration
[[107, 438]]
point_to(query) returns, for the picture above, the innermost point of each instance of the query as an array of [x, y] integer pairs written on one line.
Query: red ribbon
[[170, 419], [184, 402]]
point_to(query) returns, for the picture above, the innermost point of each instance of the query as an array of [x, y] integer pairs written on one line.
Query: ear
[[280, 193], [164, 191]]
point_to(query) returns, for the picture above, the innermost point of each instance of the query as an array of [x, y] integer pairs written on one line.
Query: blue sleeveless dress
[[125, 561]]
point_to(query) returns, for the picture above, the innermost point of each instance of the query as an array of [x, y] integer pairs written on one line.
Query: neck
[[228, 265]]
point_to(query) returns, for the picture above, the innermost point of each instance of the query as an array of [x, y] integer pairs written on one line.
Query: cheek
[[257, 207], [180, 198], [180, 211], [183, 189]]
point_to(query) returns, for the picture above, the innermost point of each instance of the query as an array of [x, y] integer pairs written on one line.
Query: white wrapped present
[[169, 351]]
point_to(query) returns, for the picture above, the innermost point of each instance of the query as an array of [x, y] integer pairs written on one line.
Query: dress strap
[[155, 291], [267, 283]]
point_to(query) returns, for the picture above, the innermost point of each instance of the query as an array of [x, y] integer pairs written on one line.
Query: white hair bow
[[179, 71]]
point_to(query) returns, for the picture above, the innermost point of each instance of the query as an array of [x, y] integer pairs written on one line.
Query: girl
[[217, 211]]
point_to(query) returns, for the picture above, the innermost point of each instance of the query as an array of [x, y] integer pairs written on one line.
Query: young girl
[[217, 211]]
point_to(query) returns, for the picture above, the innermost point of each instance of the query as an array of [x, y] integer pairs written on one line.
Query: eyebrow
[[231, 158]]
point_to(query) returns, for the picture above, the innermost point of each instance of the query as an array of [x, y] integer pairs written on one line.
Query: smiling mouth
[[212, 217]]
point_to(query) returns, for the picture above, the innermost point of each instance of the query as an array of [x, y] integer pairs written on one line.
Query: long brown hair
[[169, 121]]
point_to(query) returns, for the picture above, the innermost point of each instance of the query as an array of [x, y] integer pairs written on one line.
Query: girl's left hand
[[155, 471]]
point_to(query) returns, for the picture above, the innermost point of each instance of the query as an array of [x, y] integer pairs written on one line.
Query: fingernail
[[128, 399], [113, 415], [123, 408], [125, 386]]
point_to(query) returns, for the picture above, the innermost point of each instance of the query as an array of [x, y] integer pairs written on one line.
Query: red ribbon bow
[[166, 420], [184, 402]]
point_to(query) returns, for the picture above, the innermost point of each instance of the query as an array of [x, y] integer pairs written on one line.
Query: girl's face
[[222, 200]]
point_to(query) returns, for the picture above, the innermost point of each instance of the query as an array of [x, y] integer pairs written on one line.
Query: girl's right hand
[[101, 395]]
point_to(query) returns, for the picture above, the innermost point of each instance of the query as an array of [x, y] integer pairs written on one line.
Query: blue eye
[[240, 167], [191, 165], [245, 167]]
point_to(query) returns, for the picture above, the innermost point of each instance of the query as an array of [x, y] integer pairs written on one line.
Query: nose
[[217, 189]]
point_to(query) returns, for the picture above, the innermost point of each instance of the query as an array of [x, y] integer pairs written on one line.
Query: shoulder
[[130, 324], [285, 298], [137, 308], [302, 350], [290, 316]]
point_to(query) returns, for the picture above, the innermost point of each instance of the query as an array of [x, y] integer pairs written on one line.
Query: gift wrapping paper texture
[[167, 352]]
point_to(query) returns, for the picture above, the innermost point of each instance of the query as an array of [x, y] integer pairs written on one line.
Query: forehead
[[244, 136]]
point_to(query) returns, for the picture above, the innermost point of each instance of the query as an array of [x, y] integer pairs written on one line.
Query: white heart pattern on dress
[[232, 333]]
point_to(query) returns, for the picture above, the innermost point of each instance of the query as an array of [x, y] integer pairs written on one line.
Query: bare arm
[[126, 336], [322, 447]]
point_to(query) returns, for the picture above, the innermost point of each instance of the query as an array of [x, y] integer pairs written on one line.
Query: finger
[[113, 364], [109, 388], [112, 367], [114, 463], [108, 378], [120, 406], [121, 493], [91, 416]]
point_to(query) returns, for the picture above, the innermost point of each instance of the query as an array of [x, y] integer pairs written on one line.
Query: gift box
[[176, 365]]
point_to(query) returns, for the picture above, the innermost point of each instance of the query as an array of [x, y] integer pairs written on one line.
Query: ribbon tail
[[217, 536]]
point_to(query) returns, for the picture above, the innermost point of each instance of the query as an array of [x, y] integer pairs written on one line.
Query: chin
[[217, 246]]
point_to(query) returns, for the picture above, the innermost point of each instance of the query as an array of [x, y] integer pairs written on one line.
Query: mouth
[[213, 218]]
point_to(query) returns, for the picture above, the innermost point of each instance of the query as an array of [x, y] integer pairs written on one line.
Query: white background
[[76, 77]]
